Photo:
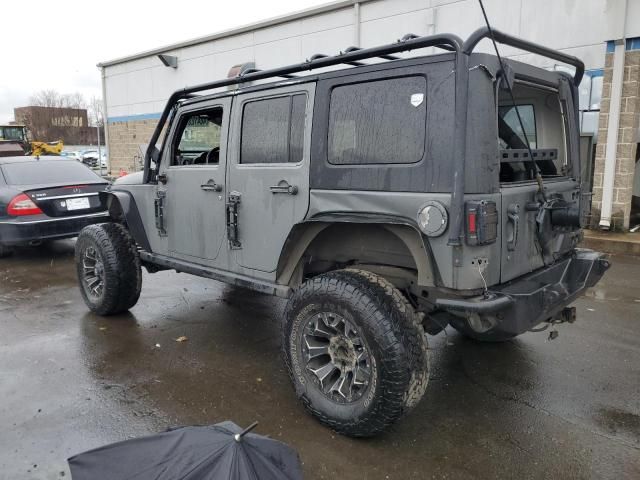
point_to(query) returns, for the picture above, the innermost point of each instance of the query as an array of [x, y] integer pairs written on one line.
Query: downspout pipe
[[356, 24], [104, 119], [613, 124]]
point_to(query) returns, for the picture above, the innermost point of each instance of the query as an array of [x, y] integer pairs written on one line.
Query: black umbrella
[[221, 451]]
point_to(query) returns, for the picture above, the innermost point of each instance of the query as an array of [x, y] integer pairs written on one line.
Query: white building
[[136, 87]]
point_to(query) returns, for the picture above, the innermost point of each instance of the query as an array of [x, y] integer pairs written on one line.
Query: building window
[[273, 130], [380, 122]]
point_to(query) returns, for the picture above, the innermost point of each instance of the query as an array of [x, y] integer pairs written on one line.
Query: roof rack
[[353, 56], [350, 56]]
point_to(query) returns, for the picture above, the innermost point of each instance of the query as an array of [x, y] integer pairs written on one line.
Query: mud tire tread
[[402, 361]]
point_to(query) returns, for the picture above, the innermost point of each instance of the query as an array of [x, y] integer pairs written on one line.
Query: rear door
[[529, 241], [268, 174], [193, 193]]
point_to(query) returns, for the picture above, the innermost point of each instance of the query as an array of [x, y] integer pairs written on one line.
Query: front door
[[194, 165], [268, 174]]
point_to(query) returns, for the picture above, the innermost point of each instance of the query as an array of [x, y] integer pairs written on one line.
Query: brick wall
[[125, 139], [627, 142]]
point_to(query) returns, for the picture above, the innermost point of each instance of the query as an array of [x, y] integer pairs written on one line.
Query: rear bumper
[[21, 231], [523, 303]]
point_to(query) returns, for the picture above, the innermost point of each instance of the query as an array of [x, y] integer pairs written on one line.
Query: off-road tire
[[395, 338], [122, 273], [5, 251], [486, 337]]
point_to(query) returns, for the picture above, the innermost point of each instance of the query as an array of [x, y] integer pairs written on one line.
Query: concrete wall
[[136, 88]]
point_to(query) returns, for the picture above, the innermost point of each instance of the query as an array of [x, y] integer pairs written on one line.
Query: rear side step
[[154, 259]]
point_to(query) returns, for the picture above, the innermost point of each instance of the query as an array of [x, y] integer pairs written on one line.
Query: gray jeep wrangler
[[384, 200]]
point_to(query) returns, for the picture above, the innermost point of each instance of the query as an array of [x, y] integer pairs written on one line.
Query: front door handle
[[211, 186], [284, 187], [514, 218]]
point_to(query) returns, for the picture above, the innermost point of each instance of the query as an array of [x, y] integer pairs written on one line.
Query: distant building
[[49, 124]]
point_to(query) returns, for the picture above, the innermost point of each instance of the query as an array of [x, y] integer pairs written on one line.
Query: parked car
[[45, 199], [384, 201], [90, 158], [73, 155]]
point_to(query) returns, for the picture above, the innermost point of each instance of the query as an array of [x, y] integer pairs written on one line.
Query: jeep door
[[194, 165], [268, 174]]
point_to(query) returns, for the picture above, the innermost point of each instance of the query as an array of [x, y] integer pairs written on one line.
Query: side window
[[199, 138], [273, 130], [378, 122]]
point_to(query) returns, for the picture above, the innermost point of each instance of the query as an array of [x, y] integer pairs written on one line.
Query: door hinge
[[232, 220], [159, 212]]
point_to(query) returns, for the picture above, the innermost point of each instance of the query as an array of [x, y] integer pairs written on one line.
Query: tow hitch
[[566, 315]]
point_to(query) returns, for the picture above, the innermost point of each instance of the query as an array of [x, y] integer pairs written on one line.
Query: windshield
[[48, 172]]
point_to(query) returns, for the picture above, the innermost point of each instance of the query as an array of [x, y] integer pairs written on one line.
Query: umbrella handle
[[238, 436]]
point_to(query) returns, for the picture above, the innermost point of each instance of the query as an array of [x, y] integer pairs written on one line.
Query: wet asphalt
[[529, 408]]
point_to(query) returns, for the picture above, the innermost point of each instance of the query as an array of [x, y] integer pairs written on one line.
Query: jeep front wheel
[[355, 350], [108, 267]]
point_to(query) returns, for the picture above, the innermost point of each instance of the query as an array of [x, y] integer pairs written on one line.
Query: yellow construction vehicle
[[46, 148], [14, 139]]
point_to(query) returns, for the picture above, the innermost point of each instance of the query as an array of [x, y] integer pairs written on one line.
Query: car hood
[[131, 179]]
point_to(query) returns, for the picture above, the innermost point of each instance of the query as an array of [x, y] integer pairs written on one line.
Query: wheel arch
[[337, 234], [122, 208]]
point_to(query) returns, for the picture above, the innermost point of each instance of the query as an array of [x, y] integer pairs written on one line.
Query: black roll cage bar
[[351, 56]]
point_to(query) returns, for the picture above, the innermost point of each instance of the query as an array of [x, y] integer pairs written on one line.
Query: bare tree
[[46, 98], [96, 111], [64, 110]]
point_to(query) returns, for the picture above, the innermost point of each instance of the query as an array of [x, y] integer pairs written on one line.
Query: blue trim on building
[[630, 44], [633, 43], [133, 118], [595, 72]]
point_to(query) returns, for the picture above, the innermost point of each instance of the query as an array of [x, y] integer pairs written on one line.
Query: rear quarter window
[[48, 172], [273, 130], [378, 122]]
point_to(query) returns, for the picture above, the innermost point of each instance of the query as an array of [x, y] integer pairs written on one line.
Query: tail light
[[22, 205], [482, 222]]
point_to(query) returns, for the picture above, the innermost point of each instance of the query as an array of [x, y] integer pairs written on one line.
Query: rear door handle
[[514, 218], [211, 186], [284, 187]]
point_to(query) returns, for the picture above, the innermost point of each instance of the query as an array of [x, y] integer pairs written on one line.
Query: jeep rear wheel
[[108, 268], [355, 350]]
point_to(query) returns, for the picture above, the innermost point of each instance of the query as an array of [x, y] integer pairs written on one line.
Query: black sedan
[[46, 198]]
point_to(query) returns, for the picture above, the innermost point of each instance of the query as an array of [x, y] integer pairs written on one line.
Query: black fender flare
[[130, 214], [302, 234]]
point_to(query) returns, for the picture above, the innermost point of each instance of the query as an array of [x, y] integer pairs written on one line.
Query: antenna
[[513, 102]]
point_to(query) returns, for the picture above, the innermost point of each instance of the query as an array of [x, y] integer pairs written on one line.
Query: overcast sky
[[57, 44]]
